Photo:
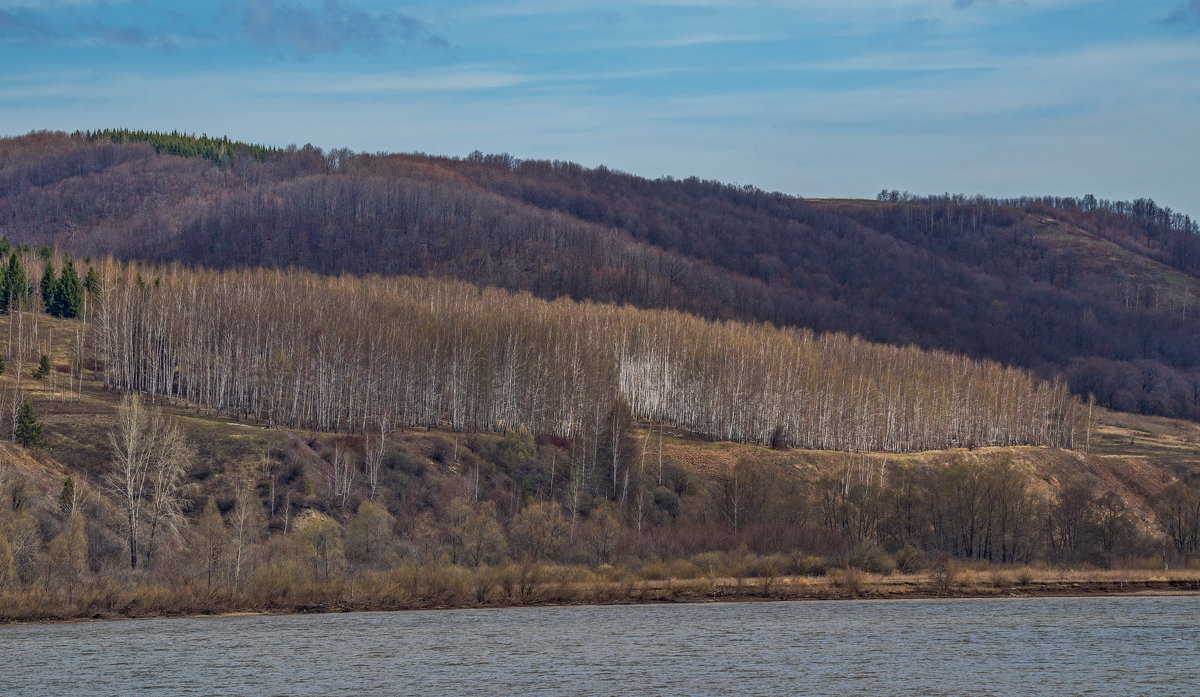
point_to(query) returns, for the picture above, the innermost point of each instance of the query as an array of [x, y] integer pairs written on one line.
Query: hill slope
[[1100, 293], [226, 514]]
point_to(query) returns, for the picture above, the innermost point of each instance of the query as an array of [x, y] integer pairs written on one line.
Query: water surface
[[1048, 646]]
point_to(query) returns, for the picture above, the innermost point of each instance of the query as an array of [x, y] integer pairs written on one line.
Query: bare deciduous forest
[[348, 354]]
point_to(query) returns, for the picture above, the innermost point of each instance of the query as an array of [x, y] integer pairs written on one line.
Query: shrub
[[910, 560], [946, 574], [849, 580], [870, 557], [999, 578], [806, 565]]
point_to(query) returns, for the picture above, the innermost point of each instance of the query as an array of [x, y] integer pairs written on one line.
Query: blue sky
[[821, 98]]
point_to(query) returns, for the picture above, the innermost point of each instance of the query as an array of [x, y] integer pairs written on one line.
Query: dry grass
[[286, 588], [1170, 443]]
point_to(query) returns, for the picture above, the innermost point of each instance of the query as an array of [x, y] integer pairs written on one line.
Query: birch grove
[[368, 354]]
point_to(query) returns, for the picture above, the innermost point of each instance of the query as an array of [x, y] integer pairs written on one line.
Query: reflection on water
[[1060, 646]]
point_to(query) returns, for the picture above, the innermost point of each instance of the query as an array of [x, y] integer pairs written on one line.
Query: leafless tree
[[150, 458]]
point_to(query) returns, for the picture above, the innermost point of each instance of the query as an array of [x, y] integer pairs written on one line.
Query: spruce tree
[[91, 280], [29, 428], [68, 293], [49, 288], [43, 368], [14, 287]]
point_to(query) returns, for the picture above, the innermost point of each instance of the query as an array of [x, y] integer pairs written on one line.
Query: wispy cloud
[[19, 25], [468, 78], [1184, 13], [330, 27], [703, 39], [27, 26]]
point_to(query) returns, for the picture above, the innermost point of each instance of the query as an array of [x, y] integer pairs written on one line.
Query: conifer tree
[[20, 288], [91, 280], [29, 428], [68, 293], [48, 288], [43, 368], [14, 287]]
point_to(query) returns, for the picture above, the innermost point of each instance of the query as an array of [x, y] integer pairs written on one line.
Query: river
[[1046, 646]]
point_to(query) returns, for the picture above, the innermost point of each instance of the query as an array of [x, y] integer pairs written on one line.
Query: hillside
[[689, 479], [1097, 292], [238, 514]]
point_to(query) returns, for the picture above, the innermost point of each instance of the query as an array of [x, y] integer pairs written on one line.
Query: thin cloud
[[331, 27], [429, 81], [1182, 14], [26, 27], [18, 24]]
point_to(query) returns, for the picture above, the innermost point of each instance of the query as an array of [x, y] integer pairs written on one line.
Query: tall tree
[[245, 528], [211, 537], [368, 535], [14, 287], [68, 293], [150, 456], [48, 287], [91, 280]]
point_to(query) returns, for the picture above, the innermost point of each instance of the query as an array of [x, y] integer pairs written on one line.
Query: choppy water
[[1062, 646]]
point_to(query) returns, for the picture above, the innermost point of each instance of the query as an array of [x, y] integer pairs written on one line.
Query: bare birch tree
[[150, 459]]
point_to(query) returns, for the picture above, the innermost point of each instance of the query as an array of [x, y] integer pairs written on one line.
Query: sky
[[827, 98]]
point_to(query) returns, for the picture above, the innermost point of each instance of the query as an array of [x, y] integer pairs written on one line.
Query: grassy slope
[[1101, 261]]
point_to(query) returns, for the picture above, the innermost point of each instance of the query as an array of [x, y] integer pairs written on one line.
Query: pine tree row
[[61, 292]]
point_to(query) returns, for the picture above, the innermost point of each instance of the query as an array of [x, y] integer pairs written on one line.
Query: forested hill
[[1103, 293]]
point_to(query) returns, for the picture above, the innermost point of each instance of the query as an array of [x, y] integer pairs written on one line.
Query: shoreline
[[687, 591]]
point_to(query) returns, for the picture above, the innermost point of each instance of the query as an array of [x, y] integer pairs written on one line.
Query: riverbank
[[438, 589]]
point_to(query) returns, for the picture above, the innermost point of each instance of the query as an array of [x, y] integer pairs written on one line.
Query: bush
[[870, 557], [849, 580], [765, 567], [666, 501], [946, 574], [910, 560], [806, 565], [999, 578]]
